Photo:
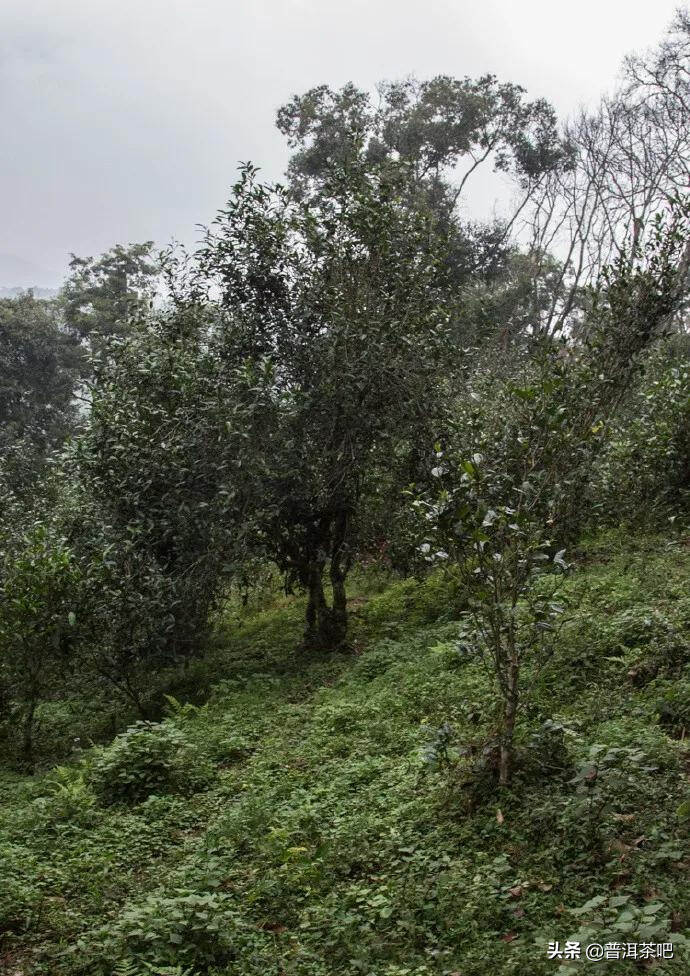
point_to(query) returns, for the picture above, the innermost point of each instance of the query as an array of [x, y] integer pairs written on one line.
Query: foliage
[[516, 302], [39, 583], [105, 296], [336, 308], [69, 800], [161, 461], [145, 760], [19, 896], [512, 483], [41, 366], [616, 920], [184, 929], [645, 466], [433, 135], [134, 969], [327, 838], [326, 346], [673, 708], [429, 127]]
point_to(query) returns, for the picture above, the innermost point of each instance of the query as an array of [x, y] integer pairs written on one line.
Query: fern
[[127, 969], [175, 709], [130, 968]]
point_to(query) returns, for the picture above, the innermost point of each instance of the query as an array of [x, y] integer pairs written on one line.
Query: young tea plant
[[512, 488], [494, 516]]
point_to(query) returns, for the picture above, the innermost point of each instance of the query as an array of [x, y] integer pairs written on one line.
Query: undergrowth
[[321, 815]]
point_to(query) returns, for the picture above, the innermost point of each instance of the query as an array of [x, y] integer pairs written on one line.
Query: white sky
[[124, 120]]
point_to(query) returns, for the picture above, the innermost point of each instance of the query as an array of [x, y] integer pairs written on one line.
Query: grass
[[350, 825]]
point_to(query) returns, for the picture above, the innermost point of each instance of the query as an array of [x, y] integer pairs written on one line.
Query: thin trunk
[[340, 564], [509, 713], [28, 736], [339, 611], [317, 608], [133, 695]]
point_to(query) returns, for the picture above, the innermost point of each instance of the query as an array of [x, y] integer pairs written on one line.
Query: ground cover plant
[[349, 823]]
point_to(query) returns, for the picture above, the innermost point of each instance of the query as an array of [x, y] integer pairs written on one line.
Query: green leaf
[[683, 810]]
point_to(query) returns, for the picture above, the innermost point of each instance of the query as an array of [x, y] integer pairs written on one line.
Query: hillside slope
[[338, 817]]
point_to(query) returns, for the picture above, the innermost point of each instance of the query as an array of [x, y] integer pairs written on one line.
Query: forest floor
[[349, 823]]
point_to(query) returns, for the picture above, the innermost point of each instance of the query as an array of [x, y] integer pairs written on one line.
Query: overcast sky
[[124, 120]]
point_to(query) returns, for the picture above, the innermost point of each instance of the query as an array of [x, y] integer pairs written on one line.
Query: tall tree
[[337, 303], [40, 364], [627, 160], [439, 133], [103, 296]]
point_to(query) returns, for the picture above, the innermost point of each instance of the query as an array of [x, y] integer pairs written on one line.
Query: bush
[[147, 759], [184, 928], [39, 583], [546, 754], [69, 800], [180, 930], [617, 919], [646, 466], [19, 897], [134, 969], [673, 709]]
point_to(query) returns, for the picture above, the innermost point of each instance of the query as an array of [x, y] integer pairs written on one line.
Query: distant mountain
[[38, 292]]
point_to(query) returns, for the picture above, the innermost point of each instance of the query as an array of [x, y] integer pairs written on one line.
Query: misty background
[[127, 122]]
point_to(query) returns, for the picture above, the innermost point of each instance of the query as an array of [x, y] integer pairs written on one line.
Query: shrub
[[673, 709], [69, 800], [376, 662], [134, 969], [646, 466], [616, 919], [607, 781], [147, 759], [184, 929], [19, 897], [545, 753], [514, 472], [39, 582]]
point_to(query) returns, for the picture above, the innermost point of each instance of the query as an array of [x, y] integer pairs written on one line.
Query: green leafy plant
[[40, 580], [182, 929], [512, 481], [145, 969], [144, 760], [644, 470], [70, 799], [673, 709], [308, 294], [618, 919]]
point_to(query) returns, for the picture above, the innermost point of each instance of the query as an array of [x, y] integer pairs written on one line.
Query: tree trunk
[[509, 713], [315, 634], [326, 627], [340, 564], [28, 737], [338, 621]]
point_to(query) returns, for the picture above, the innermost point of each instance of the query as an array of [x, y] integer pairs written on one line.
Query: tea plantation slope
[[337, 815]]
